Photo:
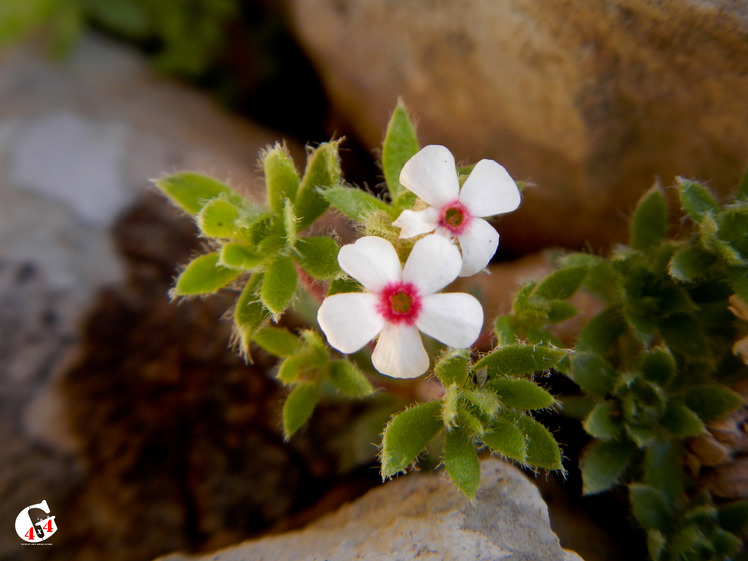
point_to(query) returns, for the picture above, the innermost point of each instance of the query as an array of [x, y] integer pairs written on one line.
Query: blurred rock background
[[129, 414]]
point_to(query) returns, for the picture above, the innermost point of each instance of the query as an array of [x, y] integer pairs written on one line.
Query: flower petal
[[478, 244], [372, 261], [489, 190], [433, 263], [431, 174], [399, 352], [350, 320], [455, 319], [414, 223]]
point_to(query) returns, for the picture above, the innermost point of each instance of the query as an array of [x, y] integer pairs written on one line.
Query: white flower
[[453, 212], [398, 303]]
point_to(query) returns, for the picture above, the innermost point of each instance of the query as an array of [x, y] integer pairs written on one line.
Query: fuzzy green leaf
[[684, 333], [507, 330], [216, 219], [682, 422], [203, 275], [696, 199], [649, 222], [318, 256], [190, 191], [249, 313], [604, 463], [519, 359], [281, 177], [322, 172], [407, 434], [658, 365], [292, 369], [601, 331], [469, 422], [733, 517], [711, 402], [690, 263], [349, 380], [663, 468], [451, 405], [486, 401], [289, 224], [604, 422], [506, 439], [650, 508], [400, 144], [299, 406], [355, 203], [542, 448], [234, 255], [559, 310], [561, 284], [521, 394], [343, 285], [277, 341], [452, 368], [593, 373], [279, 285], [461, 462]]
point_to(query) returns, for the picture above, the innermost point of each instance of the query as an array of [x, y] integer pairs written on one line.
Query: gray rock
[[421, 517], [590, 101]]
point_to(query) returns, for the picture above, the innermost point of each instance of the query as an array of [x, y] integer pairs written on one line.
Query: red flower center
[[455, 217], [399, 302]]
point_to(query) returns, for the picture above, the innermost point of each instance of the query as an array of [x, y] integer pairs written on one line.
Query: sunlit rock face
[[592, 102]]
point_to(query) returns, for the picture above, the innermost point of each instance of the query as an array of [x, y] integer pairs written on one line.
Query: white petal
[[489, 190], [455, 319], [478, 244], [433, 263], [399, 352], [431, 174], [412, 223], [372, 261], [350, 320]]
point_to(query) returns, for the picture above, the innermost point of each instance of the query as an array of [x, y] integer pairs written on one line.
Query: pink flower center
[[399, 302], [455, 217]]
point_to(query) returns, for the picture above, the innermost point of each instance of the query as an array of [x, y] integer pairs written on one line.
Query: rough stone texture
[[421, 517], [590, 101]]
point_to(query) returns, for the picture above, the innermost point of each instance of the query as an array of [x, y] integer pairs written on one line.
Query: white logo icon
[[35, 523]]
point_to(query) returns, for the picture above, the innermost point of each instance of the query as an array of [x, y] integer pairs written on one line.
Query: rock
[[590, 102], [421, 517]]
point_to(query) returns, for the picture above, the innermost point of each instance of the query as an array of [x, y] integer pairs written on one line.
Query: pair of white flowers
[[400, 300]]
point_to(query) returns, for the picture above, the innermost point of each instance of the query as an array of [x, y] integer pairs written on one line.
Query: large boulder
[[590, 101]]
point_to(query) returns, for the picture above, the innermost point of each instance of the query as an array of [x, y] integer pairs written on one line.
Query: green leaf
[[663, 468], [684, 333], [298, 407], [461, 462], [650, 508], [289, 223], [344, 285], [593, 373], [322, 172], [601, 331], [604, 463], [277, 341], [318, 256], [293, 368], [349, 380], [561, 284], [542, 448], [190, 191], [355, 203], [711, 402], [249, 313], [506, 439], [451, 405], [281, 177], [604, 422], [407, 434], [469, 422], [234, 255], [203, 275], [681, 421], [216, 219], [507, 330], [452, 368], [521, 394], [400, 144], [486, 402], [279, 285], [733, 517], [658, 365], [649, 222], [518, 359], [690, 263], [559, 310], [656, 544], [696, 199]]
